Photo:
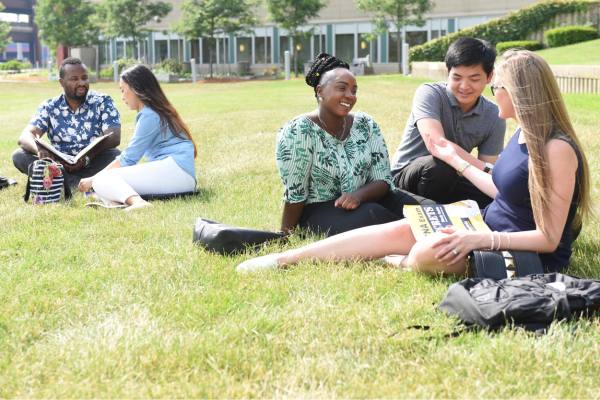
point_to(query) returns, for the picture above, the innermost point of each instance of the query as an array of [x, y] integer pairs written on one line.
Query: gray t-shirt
[[480, 127]]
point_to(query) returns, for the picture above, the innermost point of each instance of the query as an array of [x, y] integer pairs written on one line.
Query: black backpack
[[532, 302]]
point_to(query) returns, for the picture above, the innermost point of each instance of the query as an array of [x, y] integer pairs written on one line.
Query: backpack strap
[[28, 186], [488, 264], [527, 263], [66, 187]]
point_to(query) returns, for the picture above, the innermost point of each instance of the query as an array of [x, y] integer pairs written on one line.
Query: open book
[[462, 215], [67, 158]]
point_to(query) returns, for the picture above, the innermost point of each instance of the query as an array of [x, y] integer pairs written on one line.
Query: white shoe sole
[[258, 264]]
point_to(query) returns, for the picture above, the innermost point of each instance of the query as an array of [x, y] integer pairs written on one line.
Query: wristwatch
[[488, 167], [86, 161]]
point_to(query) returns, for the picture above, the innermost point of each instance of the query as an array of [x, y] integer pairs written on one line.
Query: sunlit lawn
[[99, 303]]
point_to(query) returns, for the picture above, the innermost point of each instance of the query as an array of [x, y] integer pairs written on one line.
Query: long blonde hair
[[541, 113]]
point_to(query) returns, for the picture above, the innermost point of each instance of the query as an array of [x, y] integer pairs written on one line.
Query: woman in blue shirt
[[160, 136], [540, 186]]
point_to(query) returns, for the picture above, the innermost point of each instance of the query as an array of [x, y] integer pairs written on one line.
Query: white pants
[[155, 177]]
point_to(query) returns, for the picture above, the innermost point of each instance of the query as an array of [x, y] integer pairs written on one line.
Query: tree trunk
[[97, 63], [399, 45]]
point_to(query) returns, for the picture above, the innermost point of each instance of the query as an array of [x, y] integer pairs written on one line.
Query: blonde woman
[[540, 186]]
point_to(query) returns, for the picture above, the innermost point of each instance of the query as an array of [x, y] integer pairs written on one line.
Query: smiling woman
[[333, 163]]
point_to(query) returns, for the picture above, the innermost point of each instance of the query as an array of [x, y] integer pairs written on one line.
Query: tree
[[128, 18], [4, 31], [207, 18], [398, 12], [66, 22], [291, 15]]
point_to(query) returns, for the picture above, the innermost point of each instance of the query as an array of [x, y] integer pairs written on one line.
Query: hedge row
[[569, 35], [15, 65], [514, 26], [532, 45]]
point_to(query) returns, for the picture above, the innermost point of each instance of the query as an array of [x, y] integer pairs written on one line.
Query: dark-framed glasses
[[495, 87]]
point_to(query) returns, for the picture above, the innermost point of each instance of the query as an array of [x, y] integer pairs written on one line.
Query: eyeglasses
[[494, 88]]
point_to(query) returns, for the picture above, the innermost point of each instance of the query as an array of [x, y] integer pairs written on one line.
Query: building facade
[[340, 29], [24, 33]]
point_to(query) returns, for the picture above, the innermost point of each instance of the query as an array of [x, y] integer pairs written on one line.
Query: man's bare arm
[[433, 129], [27, 140]]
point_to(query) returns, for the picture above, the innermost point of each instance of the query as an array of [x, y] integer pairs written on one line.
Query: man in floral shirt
[[71, 121]]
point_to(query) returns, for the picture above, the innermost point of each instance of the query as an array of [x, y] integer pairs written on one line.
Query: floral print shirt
[[70, 131], [317, 167]]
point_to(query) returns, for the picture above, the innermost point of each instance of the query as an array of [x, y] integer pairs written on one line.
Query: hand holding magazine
[[67, 158], [462, 215]]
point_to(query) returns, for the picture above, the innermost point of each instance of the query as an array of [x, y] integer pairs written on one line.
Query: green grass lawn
[[100, 303], [584, 53]]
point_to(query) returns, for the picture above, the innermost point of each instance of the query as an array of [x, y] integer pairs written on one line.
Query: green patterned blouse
[[316, 167]]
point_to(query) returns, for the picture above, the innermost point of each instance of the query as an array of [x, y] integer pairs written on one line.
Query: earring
[[320, 98]]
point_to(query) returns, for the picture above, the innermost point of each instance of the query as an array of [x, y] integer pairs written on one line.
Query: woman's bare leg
[[422, 258], [361, 244]]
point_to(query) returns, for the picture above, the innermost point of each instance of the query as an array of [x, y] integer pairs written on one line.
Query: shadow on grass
[[202, 195]]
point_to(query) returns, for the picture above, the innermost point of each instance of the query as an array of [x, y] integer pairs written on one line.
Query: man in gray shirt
[[456, 112]]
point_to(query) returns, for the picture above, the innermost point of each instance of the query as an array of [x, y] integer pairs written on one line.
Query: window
[[320, 44], [344, 47], [262, 47], [176, 51], [416, 38], [367, 47], [14, 18], [104, 53], [303, 48], [195, 45], [160, 50], [209, 52], [393, 56], [224, 51], [284, 45], [244, 49]]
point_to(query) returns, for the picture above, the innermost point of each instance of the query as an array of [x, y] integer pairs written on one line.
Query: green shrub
[[532, 45], [515, 26], [123, 63], [569, 34], [170, 65], [106, 73], [15, 65]]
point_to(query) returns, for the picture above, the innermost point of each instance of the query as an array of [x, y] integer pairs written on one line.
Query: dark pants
[[22, 159], [432, 178], [327, 219]]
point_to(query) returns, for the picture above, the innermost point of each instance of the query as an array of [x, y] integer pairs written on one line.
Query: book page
[[59, 154], [462, 215], [86, 149], [68, 158]]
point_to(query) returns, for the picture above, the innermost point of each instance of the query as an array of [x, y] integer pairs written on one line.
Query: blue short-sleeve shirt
[[70, 131]]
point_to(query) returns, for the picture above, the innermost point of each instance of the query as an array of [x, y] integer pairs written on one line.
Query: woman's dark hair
[[320, 65], [144, 84]]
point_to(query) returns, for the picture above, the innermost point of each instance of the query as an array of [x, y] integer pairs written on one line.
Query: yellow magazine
[[462, 215]]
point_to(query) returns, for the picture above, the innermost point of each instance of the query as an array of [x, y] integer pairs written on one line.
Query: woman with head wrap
[[333, 163]]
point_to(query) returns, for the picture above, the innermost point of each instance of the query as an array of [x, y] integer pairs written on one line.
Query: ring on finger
[[455, 252]]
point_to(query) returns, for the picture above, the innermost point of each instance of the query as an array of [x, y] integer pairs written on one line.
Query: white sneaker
[[258, 264]]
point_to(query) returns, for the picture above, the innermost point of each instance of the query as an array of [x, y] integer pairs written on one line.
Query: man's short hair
[[68, 61], [469, 51]]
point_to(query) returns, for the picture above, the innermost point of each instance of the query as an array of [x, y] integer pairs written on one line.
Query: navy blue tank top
[[511, 209]]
